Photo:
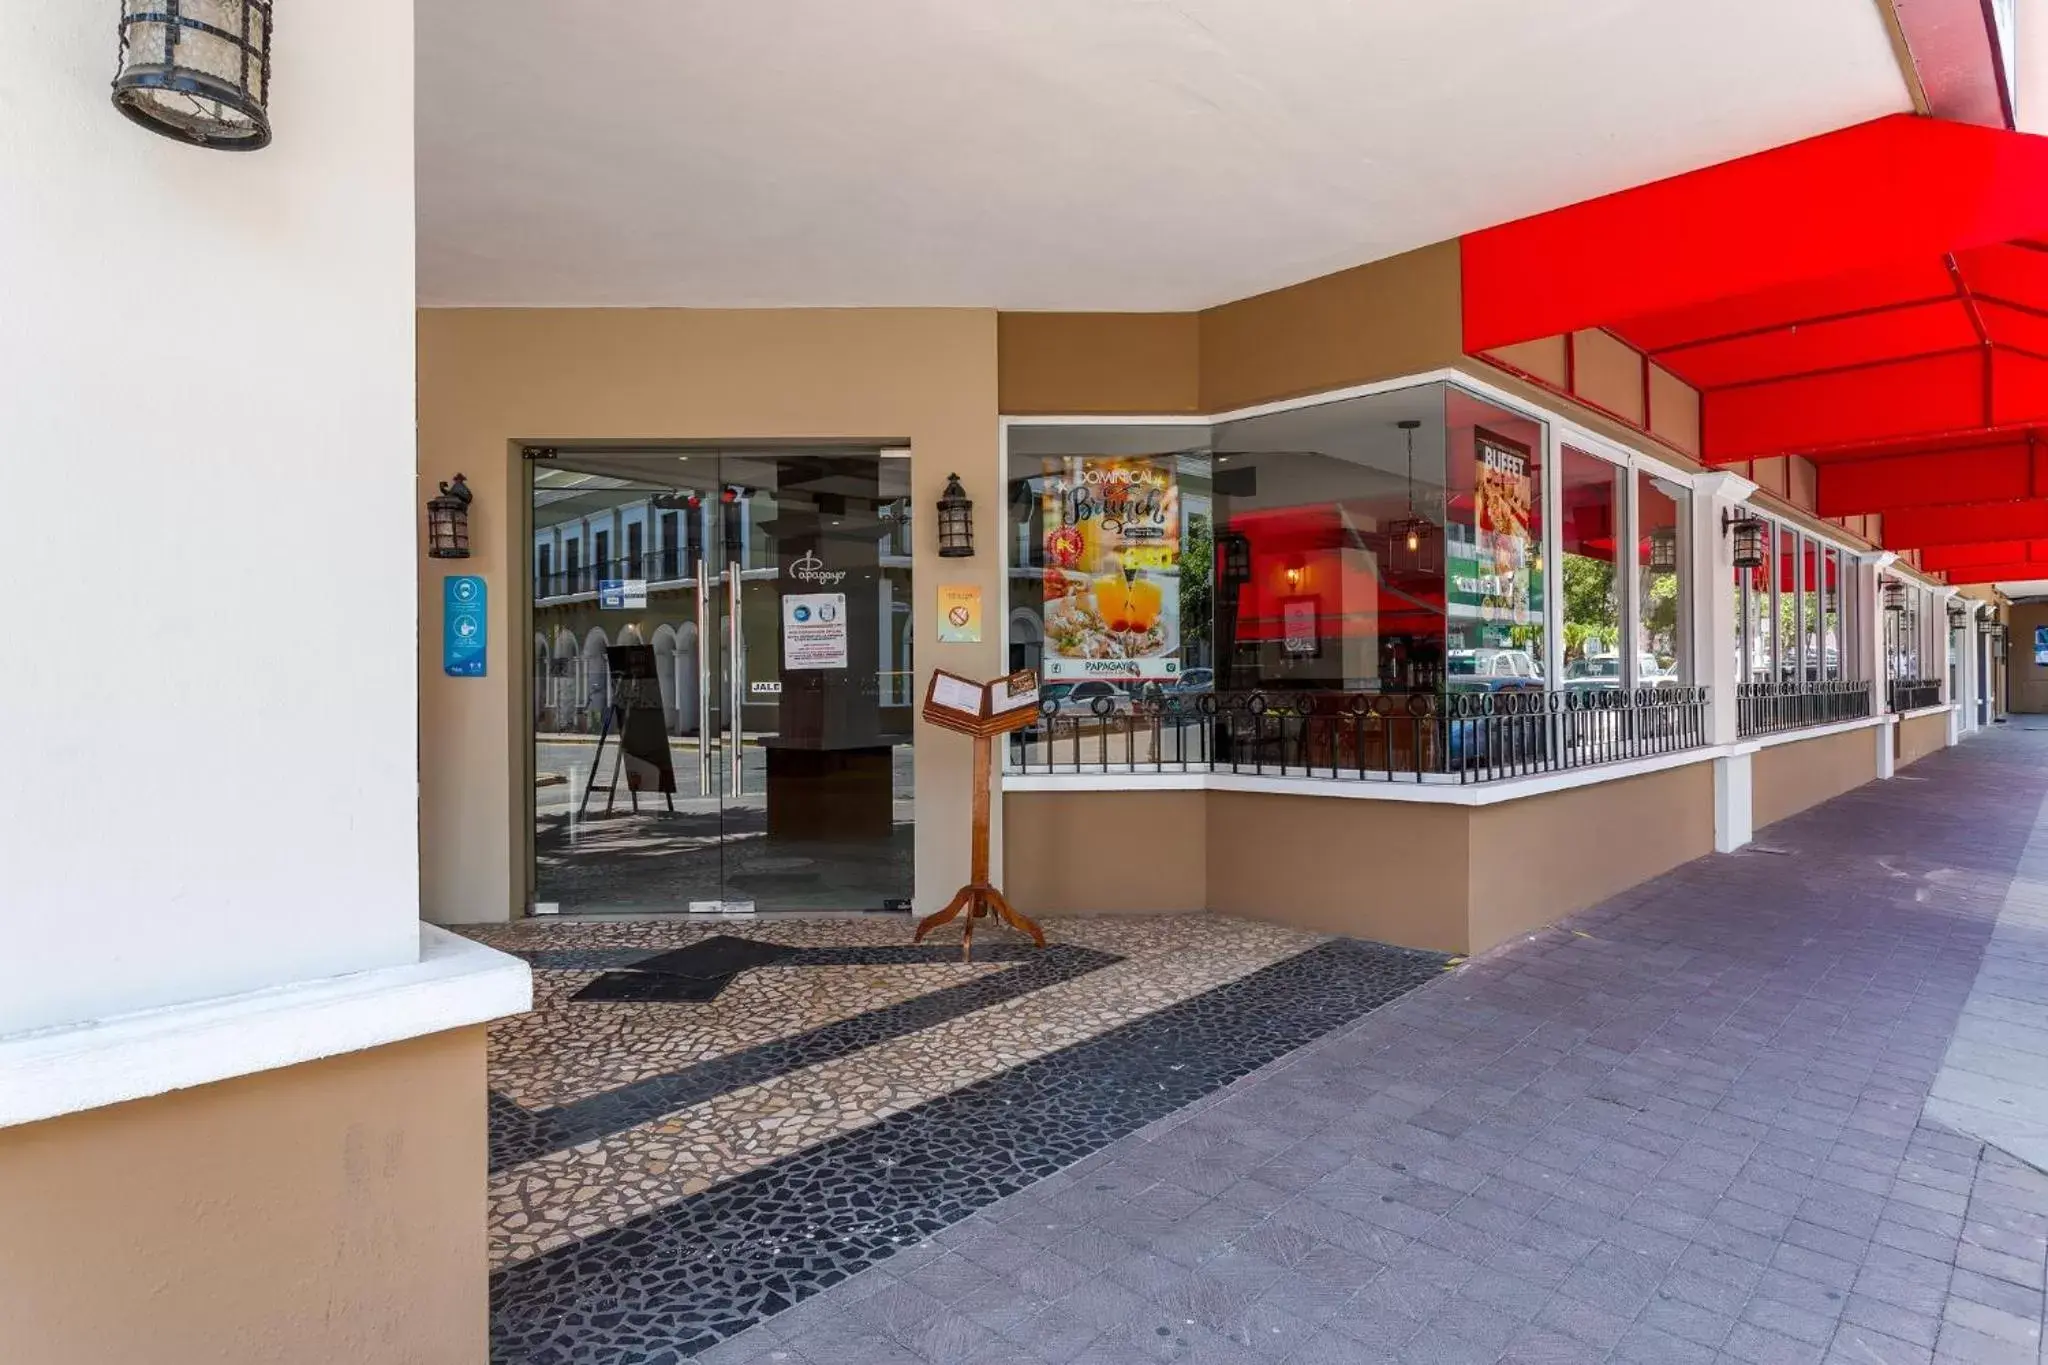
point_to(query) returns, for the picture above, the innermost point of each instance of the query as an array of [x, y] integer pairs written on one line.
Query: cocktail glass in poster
[[1493, 565], [1112, 569]]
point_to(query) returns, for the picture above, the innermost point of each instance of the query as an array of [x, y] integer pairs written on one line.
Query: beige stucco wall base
[[1788, 778], [332, 1211], [1450, 878], [1920, 736]]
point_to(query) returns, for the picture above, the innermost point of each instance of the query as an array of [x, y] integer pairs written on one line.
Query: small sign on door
[[814, 630]]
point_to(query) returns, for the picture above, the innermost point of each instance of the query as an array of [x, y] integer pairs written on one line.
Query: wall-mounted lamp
[[1956, 612], [956, 521], [1746, 535], [1894, 596], [1664, 550], [199, 73], [1295, 573], [448, 520]]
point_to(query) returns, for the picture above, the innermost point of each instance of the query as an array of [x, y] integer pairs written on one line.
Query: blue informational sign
[[462, 626]]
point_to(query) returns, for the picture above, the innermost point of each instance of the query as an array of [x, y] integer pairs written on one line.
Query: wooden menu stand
[[981, 711]]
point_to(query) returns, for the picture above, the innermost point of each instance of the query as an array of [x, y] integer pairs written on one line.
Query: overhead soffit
[[1103, 155]]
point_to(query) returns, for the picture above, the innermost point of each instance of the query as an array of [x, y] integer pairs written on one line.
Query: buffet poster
[[1112, 569], [1493, 563]]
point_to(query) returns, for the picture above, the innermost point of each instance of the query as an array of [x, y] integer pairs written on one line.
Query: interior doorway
[[722, 714]]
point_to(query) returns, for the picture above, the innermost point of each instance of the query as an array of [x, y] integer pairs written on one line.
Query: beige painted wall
[[1099, 362], [1787, 778], [1921, 736], [1392, 317], [322, 1213], [492, 378], [1538, 860], [2026, 681], [1105, 853], [1382, 870]]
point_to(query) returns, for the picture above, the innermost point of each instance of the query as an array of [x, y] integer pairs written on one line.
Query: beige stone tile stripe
[[567, 1195]]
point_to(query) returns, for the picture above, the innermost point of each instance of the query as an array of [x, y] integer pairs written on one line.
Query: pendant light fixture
[[1412, 541]]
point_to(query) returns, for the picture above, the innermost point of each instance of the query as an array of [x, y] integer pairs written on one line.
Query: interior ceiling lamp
[[197, 70], [1664, 550], [448, 521], [1413, 537], [1746, 536], [956, 521]]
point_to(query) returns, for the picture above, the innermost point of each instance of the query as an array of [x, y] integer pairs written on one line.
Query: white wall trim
[[45, 1073]]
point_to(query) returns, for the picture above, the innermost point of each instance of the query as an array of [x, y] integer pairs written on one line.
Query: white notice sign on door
[[814, 630]]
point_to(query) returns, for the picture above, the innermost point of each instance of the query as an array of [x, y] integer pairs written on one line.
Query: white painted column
[[1716, 649]]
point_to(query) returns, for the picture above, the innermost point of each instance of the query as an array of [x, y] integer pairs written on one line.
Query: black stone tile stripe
[[666, 1286], [892, 955], [519, 1134]]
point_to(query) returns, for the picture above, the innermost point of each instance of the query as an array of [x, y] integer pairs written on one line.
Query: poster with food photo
[[1112, 569], [1502, 542]]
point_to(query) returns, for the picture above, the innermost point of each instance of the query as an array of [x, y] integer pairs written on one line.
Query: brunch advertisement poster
[[1112, 569], [1493, 563]]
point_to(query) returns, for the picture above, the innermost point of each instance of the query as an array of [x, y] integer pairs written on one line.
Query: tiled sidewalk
[[1687, 1126]]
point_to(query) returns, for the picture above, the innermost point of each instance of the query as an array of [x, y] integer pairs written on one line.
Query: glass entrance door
[[722, 715]]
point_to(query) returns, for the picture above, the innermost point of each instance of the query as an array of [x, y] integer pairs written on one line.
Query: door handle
[[703, 678], [736, 673]]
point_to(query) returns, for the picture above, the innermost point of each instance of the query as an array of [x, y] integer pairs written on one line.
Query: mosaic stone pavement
[[666, 1175]]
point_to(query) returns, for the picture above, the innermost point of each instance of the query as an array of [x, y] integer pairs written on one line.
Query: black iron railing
[[1910, 694], [1769, 708], [1461, 737]]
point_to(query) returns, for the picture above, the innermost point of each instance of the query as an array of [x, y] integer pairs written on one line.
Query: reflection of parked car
[[1194, 680], [1079, 698], [1502, 739], [1602, 673], [1493, 670]]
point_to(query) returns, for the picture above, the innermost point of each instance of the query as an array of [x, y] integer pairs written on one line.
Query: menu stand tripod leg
[[962, 899], [1011, 916]]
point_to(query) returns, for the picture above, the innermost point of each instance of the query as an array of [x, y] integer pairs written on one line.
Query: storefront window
[[1812, 663], [1785, 561], [1663, 607], [1591, 591], [1834, 644], [1495, 596]]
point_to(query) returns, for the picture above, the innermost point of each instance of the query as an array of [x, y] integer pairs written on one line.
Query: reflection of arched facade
[[565, 682], [1026, 628], [597, 679], [675, 664], [539, 694]]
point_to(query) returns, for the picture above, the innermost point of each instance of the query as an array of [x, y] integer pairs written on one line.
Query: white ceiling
[[1068, 154]]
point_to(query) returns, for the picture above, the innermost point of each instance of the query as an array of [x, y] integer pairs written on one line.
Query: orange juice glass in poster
[[1112, 569]]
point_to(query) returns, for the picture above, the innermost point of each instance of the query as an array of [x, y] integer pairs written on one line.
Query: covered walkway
[[1701, 1122]]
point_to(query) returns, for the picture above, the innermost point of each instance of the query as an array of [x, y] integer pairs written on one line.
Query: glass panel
[[1494, 595], [1113, 573], [1812, 661], [1589, 540], [1785, 568], [1663, 554], [689, 754], [1834, 641]]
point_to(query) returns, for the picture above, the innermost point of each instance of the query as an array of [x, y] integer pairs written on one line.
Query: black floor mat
[[723, 955], [652, 988]]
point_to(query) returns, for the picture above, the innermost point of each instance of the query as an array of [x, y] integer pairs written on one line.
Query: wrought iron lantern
[[1746, 534], [956, 521], [1894, 596], [197, 70], [1664, 550], [1413, 539], [1956, 612], [448, 520]]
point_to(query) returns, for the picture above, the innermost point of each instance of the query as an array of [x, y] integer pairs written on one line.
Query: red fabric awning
[[1875, 299]]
